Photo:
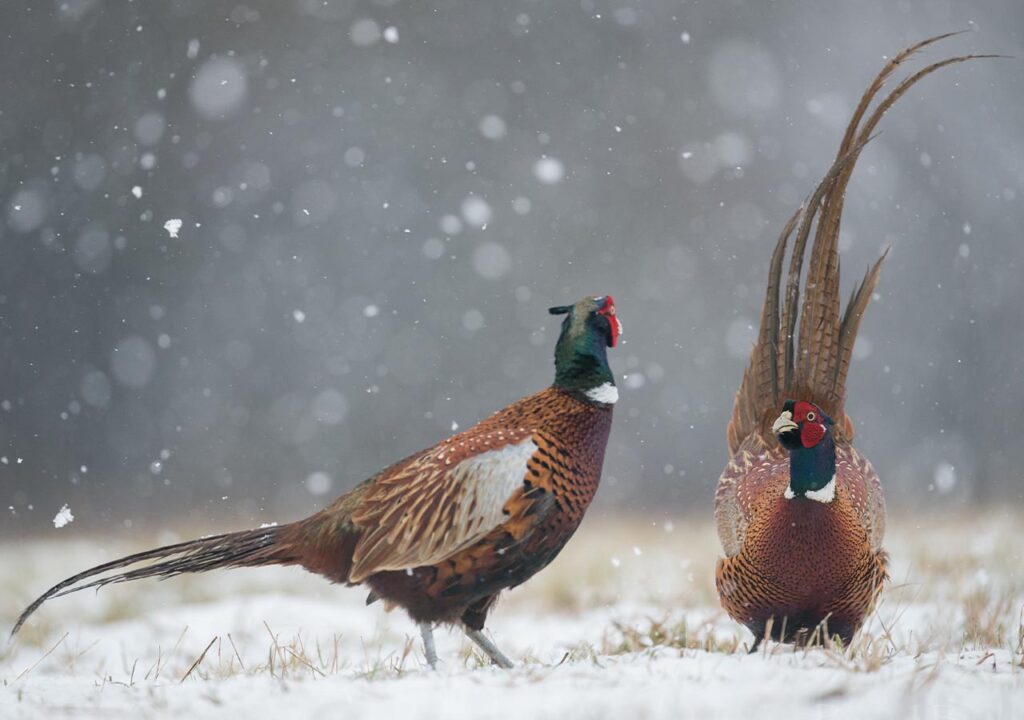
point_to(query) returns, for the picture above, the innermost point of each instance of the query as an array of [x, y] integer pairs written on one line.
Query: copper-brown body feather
[[539, 518], [444, 531], [798, 562], [795, 563], [428, 558]]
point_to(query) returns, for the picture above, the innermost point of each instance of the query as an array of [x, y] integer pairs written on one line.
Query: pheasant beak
[[784, 423]]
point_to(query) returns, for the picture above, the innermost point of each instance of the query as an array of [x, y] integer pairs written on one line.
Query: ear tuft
[[560, 310]]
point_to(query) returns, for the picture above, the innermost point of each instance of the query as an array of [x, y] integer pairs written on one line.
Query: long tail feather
[[810, 210], [249, 548], [814, 364], [851, 323]]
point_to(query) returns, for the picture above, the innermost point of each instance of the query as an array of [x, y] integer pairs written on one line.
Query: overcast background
[[379, 200]]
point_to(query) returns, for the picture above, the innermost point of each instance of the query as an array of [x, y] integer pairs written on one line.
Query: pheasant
[[799, 511], [444, 531]]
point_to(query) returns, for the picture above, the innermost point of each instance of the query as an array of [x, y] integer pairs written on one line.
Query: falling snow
[[476, 211], [493, 127], [299, 240], [549, 170], [63, 517], [219, 87], [366, 32], [172, 227]]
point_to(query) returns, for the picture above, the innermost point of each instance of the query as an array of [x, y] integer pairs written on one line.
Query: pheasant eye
[[811, 416]]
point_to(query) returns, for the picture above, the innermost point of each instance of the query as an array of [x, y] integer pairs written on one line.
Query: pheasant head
[[590, 327], [806, 432]]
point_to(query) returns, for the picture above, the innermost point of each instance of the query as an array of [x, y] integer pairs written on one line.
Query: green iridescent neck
[[811, 469], [581, 357]]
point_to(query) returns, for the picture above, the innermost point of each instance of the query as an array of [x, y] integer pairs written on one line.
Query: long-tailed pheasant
[[799, 510], [443, 532]]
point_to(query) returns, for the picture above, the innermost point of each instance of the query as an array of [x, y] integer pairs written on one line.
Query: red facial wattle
[[811, 433], [608, 310], [811, 421]]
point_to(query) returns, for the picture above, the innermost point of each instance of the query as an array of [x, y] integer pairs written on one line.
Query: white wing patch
[[432, 511], [487, 481]]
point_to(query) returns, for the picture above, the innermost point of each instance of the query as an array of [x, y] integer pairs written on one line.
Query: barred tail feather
[[762, 378], [855, 308], [814, 364], [249, 548]]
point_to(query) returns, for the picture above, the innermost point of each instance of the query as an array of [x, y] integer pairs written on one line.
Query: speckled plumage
[[540, 516], [798, 559], [444, 531], [795, 560]]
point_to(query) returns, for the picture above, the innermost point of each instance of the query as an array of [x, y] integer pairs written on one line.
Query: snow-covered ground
[[624, 624]]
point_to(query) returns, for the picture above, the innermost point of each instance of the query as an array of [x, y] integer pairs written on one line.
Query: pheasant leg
[[489, 648], [427, 631]]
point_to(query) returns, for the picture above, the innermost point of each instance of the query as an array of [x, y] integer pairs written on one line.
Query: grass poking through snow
[[623, 598]]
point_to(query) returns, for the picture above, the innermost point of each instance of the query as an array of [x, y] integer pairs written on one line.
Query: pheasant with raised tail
[[799, 511]]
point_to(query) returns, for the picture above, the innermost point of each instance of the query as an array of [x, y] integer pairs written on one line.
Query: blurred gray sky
[[380, 199]]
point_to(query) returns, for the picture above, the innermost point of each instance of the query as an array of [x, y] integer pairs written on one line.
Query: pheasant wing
[[858, 475], [438, 502], [745, 479]]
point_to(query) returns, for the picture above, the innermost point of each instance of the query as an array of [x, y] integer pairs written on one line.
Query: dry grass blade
[[197, 661], [303, 661], [231, 640], [626, 637], [47, 654], [274, 652], [986, 618]]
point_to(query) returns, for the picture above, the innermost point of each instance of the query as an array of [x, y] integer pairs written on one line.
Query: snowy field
[[624, 624]]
